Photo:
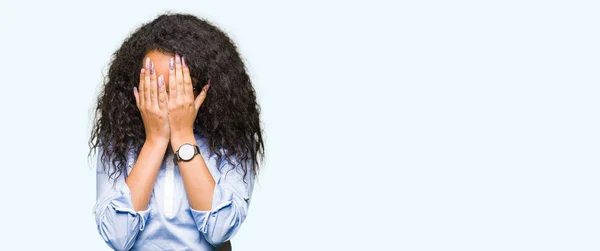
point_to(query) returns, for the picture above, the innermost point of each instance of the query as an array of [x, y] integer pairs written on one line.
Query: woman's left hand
[[183, 106]]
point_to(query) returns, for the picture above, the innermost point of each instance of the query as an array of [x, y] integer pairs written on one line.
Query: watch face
[[186, 152]]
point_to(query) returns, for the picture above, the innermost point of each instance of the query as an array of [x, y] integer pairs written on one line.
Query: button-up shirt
[[170, 223]]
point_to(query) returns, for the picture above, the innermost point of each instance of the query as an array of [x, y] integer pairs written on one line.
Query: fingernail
[[161, 81], [152, 68], [177, 59], [171, 64], [183, 62], [135, 90]]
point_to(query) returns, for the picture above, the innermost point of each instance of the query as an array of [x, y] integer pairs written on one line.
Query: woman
[[179, 139]]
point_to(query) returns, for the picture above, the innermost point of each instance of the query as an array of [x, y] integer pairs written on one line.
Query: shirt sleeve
[[118, 223], [231, 199]]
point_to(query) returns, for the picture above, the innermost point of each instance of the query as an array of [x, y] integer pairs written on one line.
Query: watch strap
[[176, 157]]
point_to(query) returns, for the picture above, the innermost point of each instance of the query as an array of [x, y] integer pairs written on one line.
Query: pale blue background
[[421, 125]]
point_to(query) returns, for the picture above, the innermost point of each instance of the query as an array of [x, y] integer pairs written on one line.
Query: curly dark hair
[[228, 117]]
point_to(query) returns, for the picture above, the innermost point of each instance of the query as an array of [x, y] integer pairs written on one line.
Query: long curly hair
[[229, 116]]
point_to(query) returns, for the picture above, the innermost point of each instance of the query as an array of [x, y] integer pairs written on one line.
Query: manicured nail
[[147, 65], [152, 68], [171, 64], [183, 62], [142, 71], [135, 90], [177, 59], [161, 81]]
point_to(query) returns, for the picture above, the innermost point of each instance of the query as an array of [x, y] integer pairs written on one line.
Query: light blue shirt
[[170, 223]]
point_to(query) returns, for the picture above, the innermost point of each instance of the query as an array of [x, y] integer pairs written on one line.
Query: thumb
[[200, 99]]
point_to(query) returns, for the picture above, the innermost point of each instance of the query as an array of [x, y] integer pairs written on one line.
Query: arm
[[230, 201], [183, 109], [220, 207], [143, 175], [118, 214], [198, 182], [151, 101]]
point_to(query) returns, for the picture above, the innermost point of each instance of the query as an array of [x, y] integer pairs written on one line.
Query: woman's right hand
[[151, 100]]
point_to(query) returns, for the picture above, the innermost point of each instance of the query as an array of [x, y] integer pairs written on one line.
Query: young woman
[[178, 138]]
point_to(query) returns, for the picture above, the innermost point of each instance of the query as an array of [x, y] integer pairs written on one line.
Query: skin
[[168, 118]]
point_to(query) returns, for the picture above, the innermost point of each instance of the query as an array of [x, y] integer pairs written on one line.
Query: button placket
[[169, 188]]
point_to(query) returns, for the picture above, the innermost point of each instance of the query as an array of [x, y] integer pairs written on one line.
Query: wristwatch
[[186, 152]]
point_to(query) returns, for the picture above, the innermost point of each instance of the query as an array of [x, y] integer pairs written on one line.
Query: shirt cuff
[[123, 204], [221, 199]]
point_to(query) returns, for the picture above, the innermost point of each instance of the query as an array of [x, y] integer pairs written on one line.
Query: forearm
[[198, 182], [143, 175]]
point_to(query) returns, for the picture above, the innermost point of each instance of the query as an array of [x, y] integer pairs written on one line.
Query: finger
[[172, 82], [179, 77], [149, 72], [140, 88], [162, 93], [188, 89], [202, 96], [153, 87]]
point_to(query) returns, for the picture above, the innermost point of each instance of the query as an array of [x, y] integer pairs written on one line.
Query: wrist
[[181, 137], [157, 142]]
